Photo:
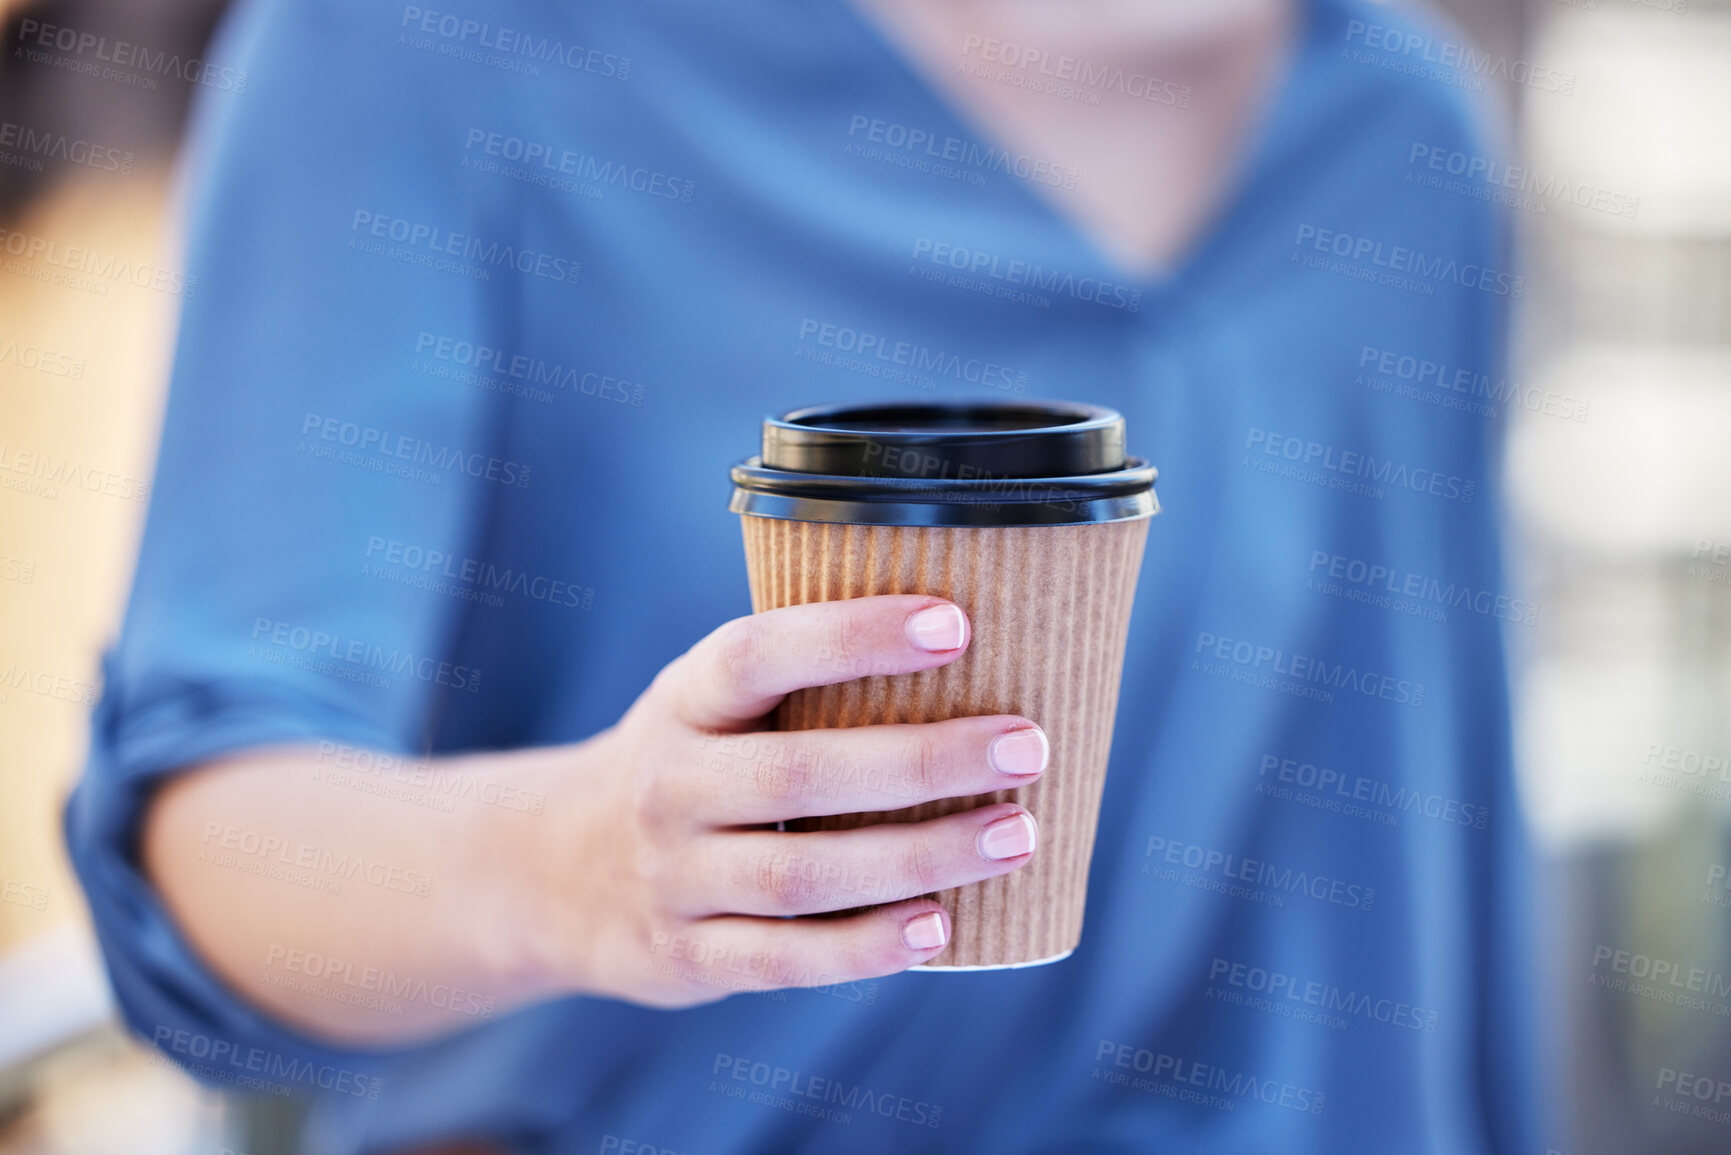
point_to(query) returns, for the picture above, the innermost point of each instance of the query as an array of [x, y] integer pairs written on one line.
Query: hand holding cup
[[700, 883]]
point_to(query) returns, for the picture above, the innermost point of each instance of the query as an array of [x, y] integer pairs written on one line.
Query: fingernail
[[1019, 752], [924, 931], [938, 628], [1009, 837]]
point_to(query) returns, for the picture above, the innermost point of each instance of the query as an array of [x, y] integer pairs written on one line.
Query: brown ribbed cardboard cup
[[1029, 516]]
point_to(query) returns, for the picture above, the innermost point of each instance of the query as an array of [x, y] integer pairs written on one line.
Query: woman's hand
[[663, 878]]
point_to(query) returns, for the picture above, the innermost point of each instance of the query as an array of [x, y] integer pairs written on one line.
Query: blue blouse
[[489, 300]]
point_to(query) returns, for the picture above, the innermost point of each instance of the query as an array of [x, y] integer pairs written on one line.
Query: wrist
[[535, 875]]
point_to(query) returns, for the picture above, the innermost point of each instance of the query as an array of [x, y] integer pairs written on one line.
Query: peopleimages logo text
[[1354, 464], [1399, 259], [1329, 998], [1685, 1085], [383, 981], [1374, 578], [510, 42], [1258, 872], [210, 1055], [436, 241], [1077, 74], [1494, 173], [23, 894], [565, 162], [1370, 791], [477, 572], [99, 266], [47, 469], [359, 653], [1302, 669], [958, 150], [36, 34], [1658, 970], [36, 143], [1174, 1069], [913, 356], [400, 446], [802, 1086], [1461, 57], [978, 263], [528, 371], [1408, 375], [61, 687], [41, 360]]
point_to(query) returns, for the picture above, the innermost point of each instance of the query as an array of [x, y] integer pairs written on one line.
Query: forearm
[[356, 916], [654, 871]]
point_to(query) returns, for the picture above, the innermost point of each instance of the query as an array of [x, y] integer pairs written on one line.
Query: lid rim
[[945, 515], [1020, 439], [977, 502], [751, 474]]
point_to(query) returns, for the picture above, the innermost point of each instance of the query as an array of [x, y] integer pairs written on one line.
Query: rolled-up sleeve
[[305, 442]]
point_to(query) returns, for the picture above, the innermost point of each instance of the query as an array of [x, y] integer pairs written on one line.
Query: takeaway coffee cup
[[1032, 518]]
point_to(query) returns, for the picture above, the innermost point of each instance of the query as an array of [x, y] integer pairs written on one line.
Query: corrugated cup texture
[[1050, 607]]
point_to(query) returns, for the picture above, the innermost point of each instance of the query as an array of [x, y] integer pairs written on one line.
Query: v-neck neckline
[[1252, 159]]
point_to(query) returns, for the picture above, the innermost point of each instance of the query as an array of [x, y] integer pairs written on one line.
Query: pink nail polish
[[938, 628], [1009, 837], [924, 931], [1019, 752]]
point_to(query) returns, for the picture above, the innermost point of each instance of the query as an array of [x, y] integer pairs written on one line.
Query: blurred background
[[1617, 514]]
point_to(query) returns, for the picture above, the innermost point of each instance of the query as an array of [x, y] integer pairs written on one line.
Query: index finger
[[741, 671]]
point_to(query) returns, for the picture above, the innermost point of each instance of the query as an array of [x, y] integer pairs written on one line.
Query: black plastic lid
[[1035, 439], [960, 464]]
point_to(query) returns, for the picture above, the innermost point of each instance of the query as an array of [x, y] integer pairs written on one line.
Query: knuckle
[[656, 799], [642, 800], [921, 867], [926, 764], [739, 652], [646, 821], [649, 867], [786, 882], [846, 641], [786, 771]]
